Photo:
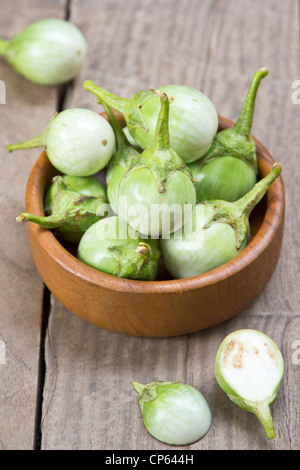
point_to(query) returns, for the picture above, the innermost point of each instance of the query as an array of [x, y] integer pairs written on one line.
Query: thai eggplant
[[72, 204], [174, 413], [48, 52], [111, 246], [215, 233], [249, 368], [78, 142], [193, 117], [229, 169], [157, 192]]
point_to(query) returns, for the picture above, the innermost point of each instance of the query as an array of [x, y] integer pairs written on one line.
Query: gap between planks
[[46, 302]]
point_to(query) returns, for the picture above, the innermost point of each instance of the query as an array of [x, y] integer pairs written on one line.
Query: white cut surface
[[251, 365]]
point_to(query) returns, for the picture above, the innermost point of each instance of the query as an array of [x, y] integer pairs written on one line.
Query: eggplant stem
[[237, 213], [50, 222], [244, 123], [263, 413], [246, 203], [138, 387], [35, 142], [21, 218], [142, 248], [116, 102], [162, 136], [120, 136]]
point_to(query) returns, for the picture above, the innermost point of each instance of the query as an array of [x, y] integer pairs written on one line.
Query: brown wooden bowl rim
[[272, 219]]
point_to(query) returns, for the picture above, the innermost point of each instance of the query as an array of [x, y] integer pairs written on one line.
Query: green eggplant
[[49, 51], [72, 204], [249, 367], [193, 117], [157, 193], [173, 412], [78, 142], [216, 232], [112, 247], [229, 169]]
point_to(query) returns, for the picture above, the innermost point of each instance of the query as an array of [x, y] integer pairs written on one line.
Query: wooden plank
[[276, 120], [244, 40], [89, 402], [215, 46], [233, 428], [141, 44], [27, 109]]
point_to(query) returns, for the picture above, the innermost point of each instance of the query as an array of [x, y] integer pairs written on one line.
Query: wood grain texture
[[88, 401], [89, 382], [21, 290], [215, 46]]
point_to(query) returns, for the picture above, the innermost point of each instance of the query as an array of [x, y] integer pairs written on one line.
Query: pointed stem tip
[[252, 198], [104, 96], [161, 94], [88, 85], [142, 248], [263, 71], [138, 387], [244, 123], [21, 218], [162, 137], [263, 414], [35, 142]]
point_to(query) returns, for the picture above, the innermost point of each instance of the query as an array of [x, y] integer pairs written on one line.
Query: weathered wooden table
[[66, 384]]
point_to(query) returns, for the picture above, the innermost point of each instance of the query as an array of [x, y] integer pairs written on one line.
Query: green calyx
[[149, 392], [69, 211], [160, 158], [238, 141], [123, 157], [135, 261], [237, 213], [131, 108], [162, 169]]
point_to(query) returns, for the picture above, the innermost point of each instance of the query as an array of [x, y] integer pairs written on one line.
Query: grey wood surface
[[66, 384]]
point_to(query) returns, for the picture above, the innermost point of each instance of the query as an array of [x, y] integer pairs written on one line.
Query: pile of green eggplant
[[177, 191]]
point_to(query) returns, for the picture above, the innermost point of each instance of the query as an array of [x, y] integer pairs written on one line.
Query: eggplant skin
[[140, 189], [187, 256], [106, 248], [225, 178], [48, 52], [193, 122]]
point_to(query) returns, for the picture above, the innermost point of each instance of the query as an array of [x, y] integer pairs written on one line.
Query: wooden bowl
[[165, 307]]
